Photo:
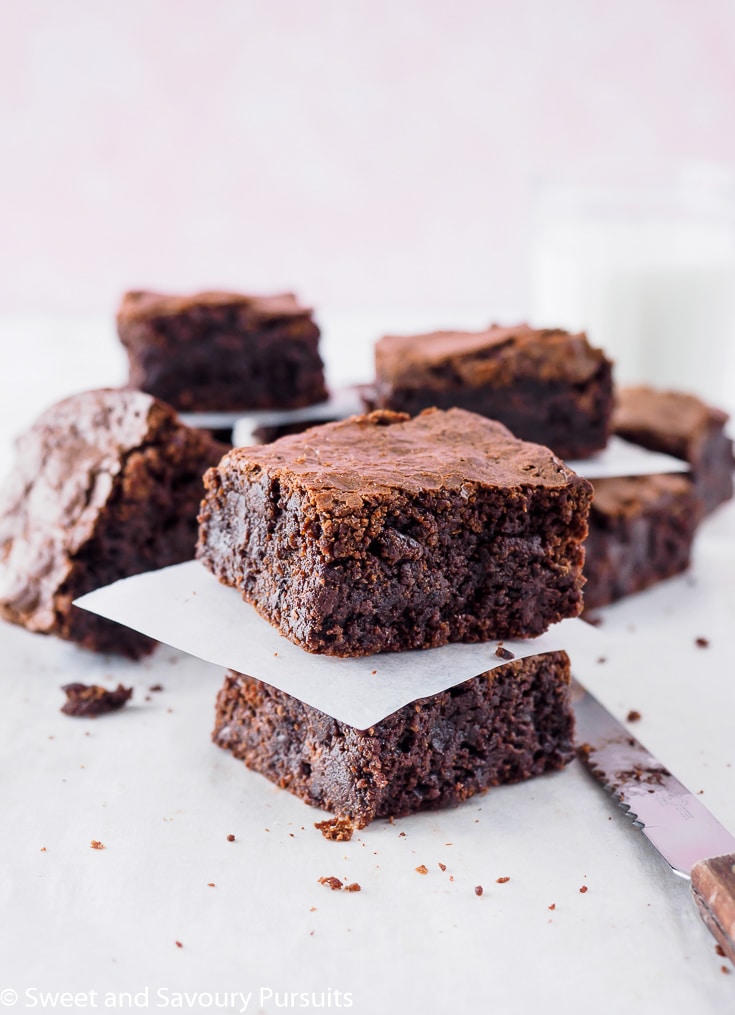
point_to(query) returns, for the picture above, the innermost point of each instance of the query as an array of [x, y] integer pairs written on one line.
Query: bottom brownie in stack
[[503, 726]]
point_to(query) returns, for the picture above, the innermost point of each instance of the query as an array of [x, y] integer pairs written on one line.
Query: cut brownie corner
[[504, 726]]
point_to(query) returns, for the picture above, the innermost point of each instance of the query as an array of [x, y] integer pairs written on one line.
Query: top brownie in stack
[[106, 484], [384, 533], [547, 386], [681, 425], [222, 352]]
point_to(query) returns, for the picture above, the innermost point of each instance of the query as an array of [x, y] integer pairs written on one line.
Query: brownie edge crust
[[504, 726], [382, 533]]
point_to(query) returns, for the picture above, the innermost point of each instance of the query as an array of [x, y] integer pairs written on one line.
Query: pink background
[[362, 152]]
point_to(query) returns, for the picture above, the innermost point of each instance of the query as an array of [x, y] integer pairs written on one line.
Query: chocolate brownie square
[[641, 532], [681, 425], [383, 533], [506, 725], [222, 352], [106, 484], [545, 385]]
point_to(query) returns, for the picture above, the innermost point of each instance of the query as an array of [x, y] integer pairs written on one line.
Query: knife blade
[[691, 840]]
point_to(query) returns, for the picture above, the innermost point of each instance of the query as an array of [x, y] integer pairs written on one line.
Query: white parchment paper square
[[187, 607]]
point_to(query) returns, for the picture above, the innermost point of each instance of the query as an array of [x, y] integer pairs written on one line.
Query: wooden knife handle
[[713, 888]]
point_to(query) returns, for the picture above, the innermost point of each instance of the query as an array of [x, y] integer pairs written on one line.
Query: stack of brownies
[[385, 533]]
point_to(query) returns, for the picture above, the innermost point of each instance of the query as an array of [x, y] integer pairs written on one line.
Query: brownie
[[384, 533], [681, 425], [222, 352], [87, 701], [503, 726], [641, 531], [547, 385], [106, 484]]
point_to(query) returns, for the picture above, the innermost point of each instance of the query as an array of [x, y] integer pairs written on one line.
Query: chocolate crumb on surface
[[230, 837], [583, 889], [442, 866], [478, 889], [156, 687], [701, 642], [354, 887], [633, 715], [725, 969], [334, 883], [210, 884], [96, 844], [720, 950], [87, 701], [552, 906], [178, 944], [422, 869], [504, 653], [503, 880], [335, 829]]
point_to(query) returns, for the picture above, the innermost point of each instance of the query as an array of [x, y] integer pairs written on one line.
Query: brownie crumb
[[701, 642], [230, 837], [96, 844], [552, 906], [720, 951], [422, 869], [210, 884], [583, 889], [442, 866], [335, 829], [334, 883], [89, 700], [503, 881], [504, 653], [178, 944], [633, 715], [725, 969], [354, 887], [43, 850], [401, 835], [478, 889], [156, 687]]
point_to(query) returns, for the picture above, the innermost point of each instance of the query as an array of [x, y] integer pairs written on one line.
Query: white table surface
[[148, 784]]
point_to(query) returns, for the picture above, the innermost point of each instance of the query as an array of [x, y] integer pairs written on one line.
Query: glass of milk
[[649, 274]]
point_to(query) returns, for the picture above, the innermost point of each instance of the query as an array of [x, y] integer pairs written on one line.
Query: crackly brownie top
[[630, 496], [384, 451], [494, 356], [675, 413], [139, 305], [64, 473]]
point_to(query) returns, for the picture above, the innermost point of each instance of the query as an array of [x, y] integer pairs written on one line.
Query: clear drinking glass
[[649, 274]]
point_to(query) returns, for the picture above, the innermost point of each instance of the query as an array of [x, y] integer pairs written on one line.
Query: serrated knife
[[691, 840]]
